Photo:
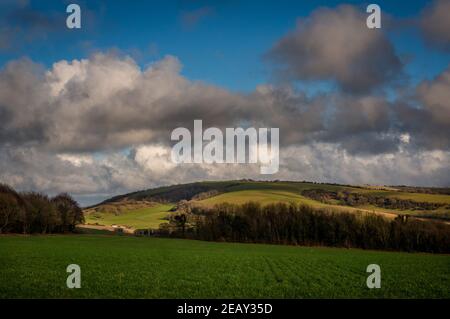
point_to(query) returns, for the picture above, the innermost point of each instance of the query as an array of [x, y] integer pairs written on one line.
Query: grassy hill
[[133, 267], [148, 208]]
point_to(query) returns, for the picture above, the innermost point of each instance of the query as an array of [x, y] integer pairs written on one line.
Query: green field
[[262, 196], [133, 267], [268, 196], [150, 217]]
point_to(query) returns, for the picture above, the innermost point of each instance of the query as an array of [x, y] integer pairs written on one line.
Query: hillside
[[149, 208]]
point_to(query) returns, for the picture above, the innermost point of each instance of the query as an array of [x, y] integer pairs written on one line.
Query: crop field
[[133, 267]]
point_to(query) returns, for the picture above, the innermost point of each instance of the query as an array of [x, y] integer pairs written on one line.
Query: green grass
[[262, 196], [150, 217], [126, 267]]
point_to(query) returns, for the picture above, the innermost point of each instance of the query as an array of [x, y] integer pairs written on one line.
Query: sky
[[89, 111]]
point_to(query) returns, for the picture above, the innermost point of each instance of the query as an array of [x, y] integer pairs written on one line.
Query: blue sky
[[219, 42]]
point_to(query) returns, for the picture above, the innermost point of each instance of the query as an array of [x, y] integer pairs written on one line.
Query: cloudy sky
[[90, 111]]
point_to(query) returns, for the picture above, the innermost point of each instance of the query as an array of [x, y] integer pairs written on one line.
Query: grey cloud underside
[[336, 45]]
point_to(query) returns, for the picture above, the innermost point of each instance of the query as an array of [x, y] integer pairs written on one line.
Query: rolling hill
[[149, 208]]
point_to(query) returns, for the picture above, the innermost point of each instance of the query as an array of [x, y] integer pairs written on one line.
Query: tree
[[180, 221], [43, 214], [11, 205], [34, 212], [69, 212]]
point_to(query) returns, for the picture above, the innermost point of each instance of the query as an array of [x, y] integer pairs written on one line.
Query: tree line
[[303, 225], [358, 199], [32, 212]]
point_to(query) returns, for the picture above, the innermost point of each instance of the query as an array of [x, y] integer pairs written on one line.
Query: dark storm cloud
[[435, 24], [336, 45], [362, 125], [23, 94]]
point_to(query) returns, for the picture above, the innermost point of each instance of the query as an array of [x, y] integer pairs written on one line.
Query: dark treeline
[[33, 212], [358, 199], [303, 225]]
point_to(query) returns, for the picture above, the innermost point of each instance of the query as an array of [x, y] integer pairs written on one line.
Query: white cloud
[[154, 158], [76, 160]]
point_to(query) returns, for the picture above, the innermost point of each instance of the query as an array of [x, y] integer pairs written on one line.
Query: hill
[[148, 208]]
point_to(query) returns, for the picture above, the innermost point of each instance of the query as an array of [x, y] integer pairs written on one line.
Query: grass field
[[150, 217], [262, 196], [126, 267]]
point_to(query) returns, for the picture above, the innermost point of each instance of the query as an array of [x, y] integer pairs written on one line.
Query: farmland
[[146, 217], [133, 267], [151, 214]]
